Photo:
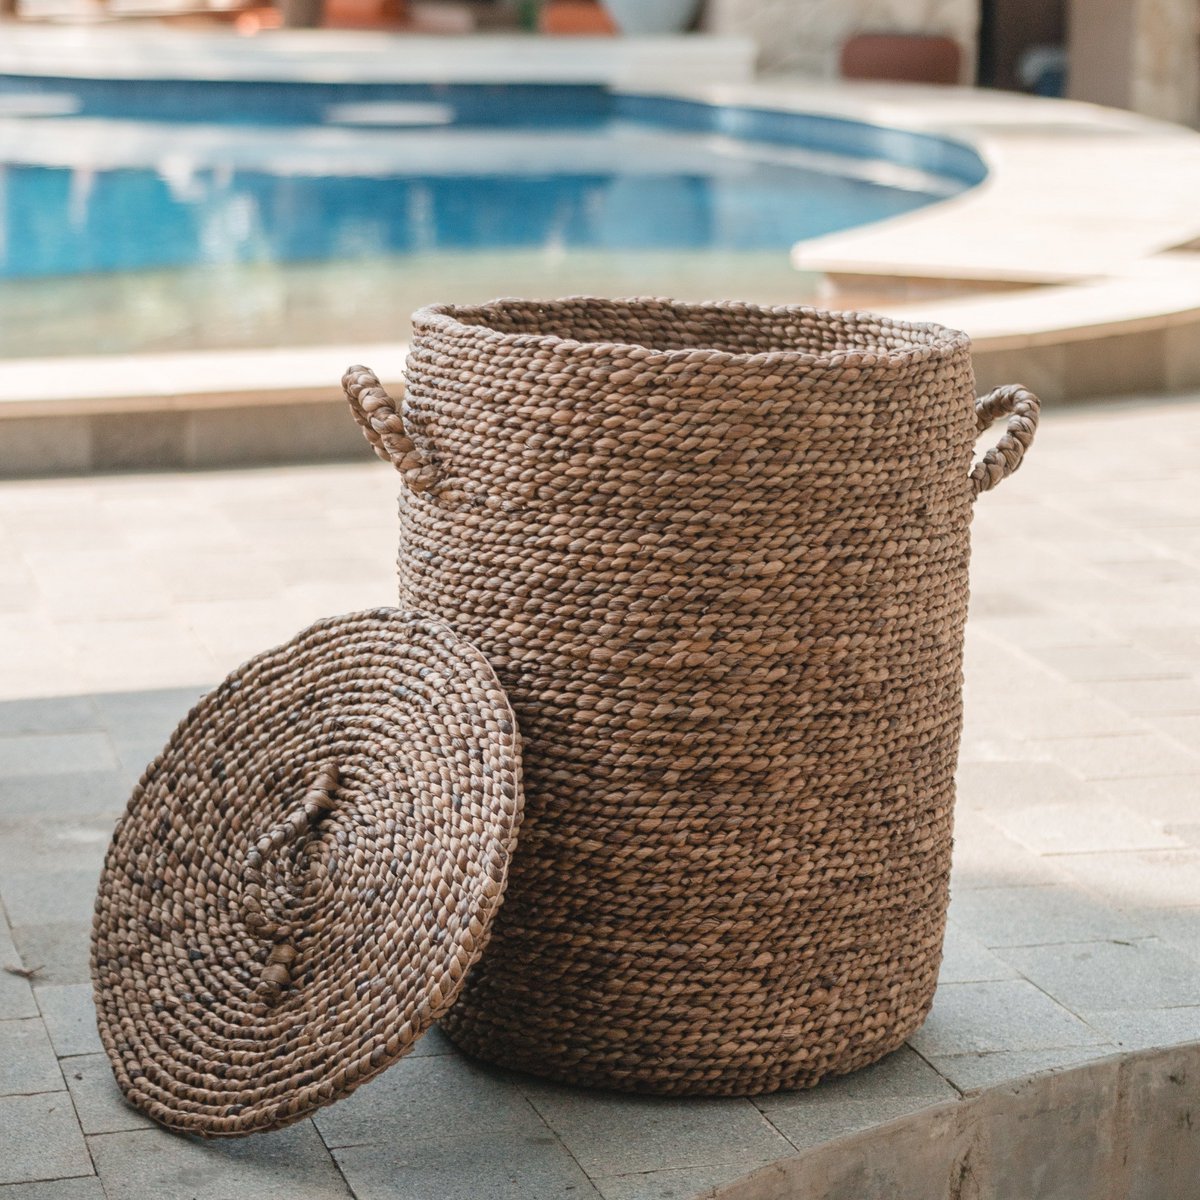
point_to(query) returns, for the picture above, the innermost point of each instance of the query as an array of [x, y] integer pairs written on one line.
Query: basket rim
[[930, 339]]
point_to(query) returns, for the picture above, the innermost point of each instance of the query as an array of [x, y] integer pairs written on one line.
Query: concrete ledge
[[1121, 1128], [182, 410]]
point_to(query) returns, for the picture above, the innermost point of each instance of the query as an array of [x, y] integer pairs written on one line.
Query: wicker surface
[[305, 874], [718, 557]]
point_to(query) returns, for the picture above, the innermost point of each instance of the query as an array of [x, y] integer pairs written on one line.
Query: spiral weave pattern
[[717, 555], [305, 875]]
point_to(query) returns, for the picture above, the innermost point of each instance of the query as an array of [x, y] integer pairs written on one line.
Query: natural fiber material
[[718, 557], [305, 875]]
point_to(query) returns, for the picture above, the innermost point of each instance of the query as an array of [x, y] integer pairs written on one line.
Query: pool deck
[[1075, 918], [1075, 266]]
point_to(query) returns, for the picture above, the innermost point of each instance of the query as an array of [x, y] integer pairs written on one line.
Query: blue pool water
[[114, 176]]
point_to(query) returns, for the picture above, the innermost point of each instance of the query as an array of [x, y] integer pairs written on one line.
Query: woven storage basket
[[717, 556]]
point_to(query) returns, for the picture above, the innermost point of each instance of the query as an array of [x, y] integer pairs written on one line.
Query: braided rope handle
[[1021, 407], [383, 423]]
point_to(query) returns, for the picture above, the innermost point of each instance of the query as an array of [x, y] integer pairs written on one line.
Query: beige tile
[[1124, 364], [1042, 369], [1153, 696], [37, 445], [1182, 344], [142, 440], [1170, 799], [1080, 829], [283, 433], [1135, 756], [1139, 880]]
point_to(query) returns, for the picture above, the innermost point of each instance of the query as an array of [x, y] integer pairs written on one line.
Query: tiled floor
[[1075, 926]]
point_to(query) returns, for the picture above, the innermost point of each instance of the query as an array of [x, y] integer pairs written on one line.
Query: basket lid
[[304, 876]]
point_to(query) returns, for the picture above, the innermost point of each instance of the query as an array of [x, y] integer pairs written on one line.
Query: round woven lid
[[305, 875]]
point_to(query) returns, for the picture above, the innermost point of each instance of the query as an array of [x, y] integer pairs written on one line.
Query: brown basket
[[717, 555]]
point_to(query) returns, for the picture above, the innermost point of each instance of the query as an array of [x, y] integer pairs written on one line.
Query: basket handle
[[383, 423], [1021, 407], [300, 822]]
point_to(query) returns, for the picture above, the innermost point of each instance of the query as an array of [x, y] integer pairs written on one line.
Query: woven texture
[[717, 556], [304, 876]]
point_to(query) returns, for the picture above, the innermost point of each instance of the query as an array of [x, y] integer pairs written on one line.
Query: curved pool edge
[[1113, 1129], [1080, 308], [1074, 266]]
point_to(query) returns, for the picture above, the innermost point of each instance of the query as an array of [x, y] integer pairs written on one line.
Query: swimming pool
[[149, 214]]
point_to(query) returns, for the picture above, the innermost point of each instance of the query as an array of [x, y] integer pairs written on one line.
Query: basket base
[[751, 1074]]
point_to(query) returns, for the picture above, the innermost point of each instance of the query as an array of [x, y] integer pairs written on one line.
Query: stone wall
[[806, 36], [1138, 54], [1166, 60]]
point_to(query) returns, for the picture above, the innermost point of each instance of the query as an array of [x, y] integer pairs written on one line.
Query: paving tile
[[974, 1072], [902, 1075], [621, 1134], [985, 858], [107, 582], [520, 1166], [430, 1097], [1047, 711], [40, 1139], [36, 897], [1166, 798], [54, 842], [1073, 829], [35, 665], [27, 1062], [992, 785], [147, 715], [1180, 642], [60, 951], [145, 652], [16, 993], [965, 959], [70, 1017], [1105, 975], [808, 1127], [1105, 662], [1008, 1014], [685, 1183], [1036, 628], [1133, 756], [1041, 916], [897, 1085], [1151, 696], [88, 1188], [98, 1101], [52, 714], [192, 573], [1178, 927], [84, 793], [435, 1042], [152, 1165], [1184, 729], [1139, 879], [1143, 1029], [54, 753]]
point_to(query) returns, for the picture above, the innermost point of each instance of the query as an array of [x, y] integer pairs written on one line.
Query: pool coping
[[1086, 225]]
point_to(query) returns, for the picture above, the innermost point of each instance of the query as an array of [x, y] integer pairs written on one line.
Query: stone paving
[[1075, 922]]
